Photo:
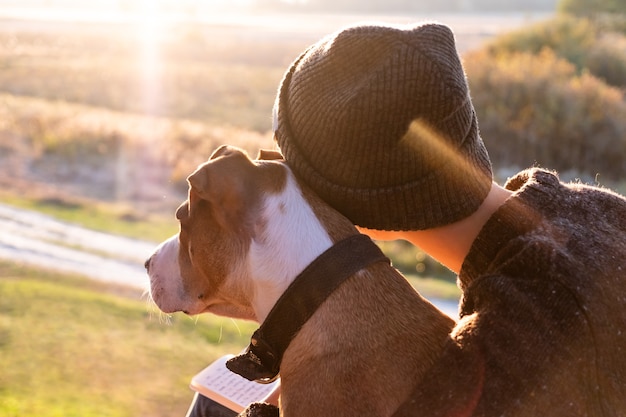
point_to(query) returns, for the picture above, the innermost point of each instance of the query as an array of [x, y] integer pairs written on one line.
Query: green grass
[[110, 218], [70, 346], [435, 288]]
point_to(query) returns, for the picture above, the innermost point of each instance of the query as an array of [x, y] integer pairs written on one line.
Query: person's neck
[[450, 244]]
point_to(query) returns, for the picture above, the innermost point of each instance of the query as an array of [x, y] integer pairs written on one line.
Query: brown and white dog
[[247, 230]]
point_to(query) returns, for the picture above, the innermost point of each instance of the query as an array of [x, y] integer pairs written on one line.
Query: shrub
[[96, 151], [610, 22], [569, 37], [536, 110], [412, 261], [592, 7], [607, 59], [590, 45]]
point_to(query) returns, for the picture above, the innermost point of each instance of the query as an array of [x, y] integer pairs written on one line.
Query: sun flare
[[150, 29]]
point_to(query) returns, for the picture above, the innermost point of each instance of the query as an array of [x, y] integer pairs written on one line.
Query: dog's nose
[[147, 264]]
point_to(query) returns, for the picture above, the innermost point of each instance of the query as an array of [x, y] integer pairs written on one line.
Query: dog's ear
[[225, 150], [224, 181], [209, 179], [269, 155]]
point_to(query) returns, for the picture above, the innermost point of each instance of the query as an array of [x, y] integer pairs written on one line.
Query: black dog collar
[[261, 360]]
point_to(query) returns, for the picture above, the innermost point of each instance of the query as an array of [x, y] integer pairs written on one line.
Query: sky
[[135, 10], [116, 9], [124, 5]]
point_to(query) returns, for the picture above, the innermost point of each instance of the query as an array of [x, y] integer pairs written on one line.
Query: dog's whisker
[[152, 307], [146, 294], [236, 325]]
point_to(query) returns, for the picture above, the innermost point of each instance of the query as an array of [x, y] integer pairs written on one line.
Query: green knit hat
[[378, 121]]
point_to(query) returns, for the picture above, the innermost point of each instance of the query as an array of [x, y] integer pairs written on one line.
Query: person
[[378, 120], [202, 406]]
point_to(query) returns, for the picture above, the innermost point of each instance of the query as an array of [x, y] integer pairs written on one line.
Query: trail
[[36, 239]]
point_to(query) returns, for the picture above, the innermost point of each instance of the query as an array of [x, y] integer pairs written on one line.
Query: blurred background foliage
[[552, 95], [86, 121], [75, 118]]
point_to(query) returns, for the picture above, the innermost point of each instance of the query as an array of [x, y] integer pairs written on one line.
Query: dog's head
[[239, 229], [190, 271]]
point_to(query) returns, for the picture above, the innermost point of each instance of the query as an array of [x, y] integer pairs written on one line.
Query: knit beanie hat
[[378, 121]]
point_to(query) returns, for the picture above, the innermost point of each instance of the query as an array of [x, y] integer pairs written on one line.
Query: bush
[[96, 151], [569, 37], [607, 59], [536, 110], [589, 45], [610, 22], [412, 261], [592, 7]]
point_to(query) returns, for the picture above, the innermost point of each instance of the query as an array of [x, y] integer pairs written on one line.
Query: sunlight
[[150, 28], [426, 139]]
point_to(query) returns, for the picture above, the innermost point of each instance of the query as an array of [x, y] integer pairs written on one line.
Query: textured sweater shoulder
[[543, 315]]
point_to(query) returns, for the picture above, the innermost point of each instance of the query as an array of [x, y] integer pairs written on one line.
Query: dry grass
[[104, 154], [88, 109]]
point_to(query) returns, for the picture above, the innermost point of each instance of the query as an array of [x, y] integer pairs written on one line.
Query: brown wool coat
[[543, 316]]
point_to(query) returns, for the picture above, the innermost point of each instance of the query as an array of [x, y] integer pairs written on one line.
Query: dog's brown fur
[[362, 351]]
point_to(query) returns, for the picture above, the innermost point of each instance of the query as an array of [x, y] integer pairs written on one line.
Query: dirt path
[[33, 238], [39, 240]]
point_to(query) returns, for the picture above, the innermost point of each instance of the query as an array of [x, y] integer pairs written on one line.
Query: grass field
[[70, 346], [75, 347], [89, 107]]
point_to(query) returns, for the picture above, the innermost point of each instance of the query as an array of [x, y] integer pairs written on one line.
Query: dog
[[247, 230]]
